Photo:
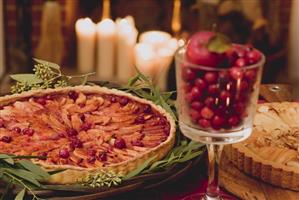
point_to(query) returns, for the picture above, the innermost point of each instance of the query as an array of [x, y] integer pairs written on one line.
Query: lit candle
[[2, 57], [156, 38], [145, 59], [126, 40], [106, 30], [86, 32], [164, 47]]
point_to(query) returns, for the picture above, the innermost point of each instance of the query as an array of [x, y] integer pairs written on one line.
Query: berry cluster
[[216, 98]]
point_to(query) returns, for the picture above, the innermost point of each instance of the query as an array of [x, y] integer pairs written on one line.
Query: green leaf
[[219, 43], [34, 168], [9, 161], [29, 79], [50, 64], [28, 176], [56, 171], [20, 195], [140, 168]]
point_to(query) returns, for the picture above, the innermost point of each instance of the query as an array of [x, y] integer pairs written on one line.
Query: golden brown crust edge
[[266, 170], [72, 174]]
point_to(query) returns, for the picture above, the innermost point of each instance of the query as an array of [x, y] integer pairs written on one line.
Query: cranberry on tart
[[84, 129]]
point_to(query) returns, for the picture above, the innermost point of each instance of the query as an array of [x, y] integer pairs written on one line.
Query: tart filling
[[271, 153], [84, 128]]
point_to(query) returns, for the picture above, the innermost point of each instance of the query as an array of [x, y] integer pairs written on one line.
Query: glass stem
[[214, 153]]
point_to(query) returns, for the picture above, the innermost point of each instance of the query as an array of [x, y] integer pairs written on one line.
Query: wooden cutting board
[[246, 187]]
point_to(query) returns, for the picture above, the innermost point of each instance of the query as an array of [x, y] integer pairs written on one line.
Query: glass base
[[215, 138], [203, 196]]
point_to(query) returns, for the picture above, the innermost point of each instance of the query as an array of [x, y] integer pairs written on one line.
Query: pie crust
[[74, 172], [271, 153]]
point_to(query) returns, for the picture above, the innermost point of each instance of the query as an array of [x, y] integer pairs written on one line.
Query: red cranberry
[[213, 89], [6, 139], [28, 131], [17, 129], [200, 83], [244, 86], [103, 156], [240, 62], [86, 126], [73, 95], [139, 120], [91, 152], [233, 121], [76, 143], [197, 105], [223, 77], [188, 74], [196, 93], [147, 109], [206, 113], [113, 99], [253, 56], [123, 101], [236, 73], [161, 121], [224, 95], [250, 75], [49, 97], [72, 132], [91, 159], [210, 77], [239, 107], [43, 154], [188, 86], [240, 52], [189, 97], [195, 115], [64, 153], [119, 143], [204, 123], [137, 143], [217, 122], [210, 102], [41, 101]]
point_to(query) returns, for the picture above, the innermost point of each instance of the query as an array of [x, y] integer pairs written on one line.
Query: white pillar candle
[[86, 32], [156, 38], [2, 49], [164, 46], [106, 31], [126, 40], [145, 59]]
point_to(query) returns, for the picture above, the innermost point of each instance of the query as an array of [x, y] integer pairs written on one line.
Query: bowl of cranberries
[[217, 82]]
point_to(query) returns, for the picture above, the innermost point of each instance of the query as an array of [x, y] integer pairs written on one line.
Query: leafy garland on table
[[24, 173]]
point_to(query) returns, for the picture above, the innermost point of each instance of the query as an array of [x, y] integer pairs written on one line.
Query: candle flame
[[176, 17], [106, 9]]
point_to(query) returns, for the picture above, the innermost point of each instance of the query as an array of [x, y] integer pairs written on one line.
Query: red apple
[[198, 53]]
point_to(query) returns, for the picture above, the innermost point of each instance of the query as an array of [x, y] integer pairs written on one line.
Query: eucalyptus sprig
[[16, 170], [46, 75], [102, 178], [143, 87]]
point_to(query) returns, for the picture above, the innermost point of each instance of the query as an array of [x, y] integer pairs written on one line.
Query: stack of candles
[[103, 46], [110, 48], [154, 54]]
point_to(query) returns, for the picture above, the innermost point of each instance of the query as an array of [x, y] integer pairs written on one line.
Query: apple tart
[[271, 153], [84, 129]]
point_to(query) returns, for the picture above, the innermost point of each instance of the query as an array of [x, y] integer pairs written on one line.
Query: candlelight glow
[[85, 26]]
